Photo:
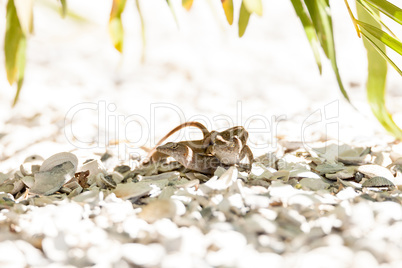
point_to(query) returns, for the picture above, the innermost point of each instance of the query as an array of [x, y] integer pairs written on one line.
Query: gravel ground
[[80, 94]]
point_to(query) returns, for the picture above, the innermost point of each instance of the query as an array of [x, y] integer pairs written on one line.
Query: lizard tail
[[204, 130]]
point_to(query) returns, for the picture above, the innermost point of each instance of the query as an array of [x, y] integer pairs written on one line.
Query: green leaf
[[377, 74], [375, 14], [244, 17], [13, 42], [169, 2], [228, 8], [384, 37], [137, 3], [382, 52], [309, 30], [253, 6], [21, 60], [322, 21], [14, 48], [63, 8], [388, 9], [115, 24], [319, 23], [187, 4], [25, 15]]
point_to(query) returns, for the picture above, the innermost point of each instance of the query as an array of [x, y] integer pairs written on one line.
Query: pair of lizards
[[215, 149]]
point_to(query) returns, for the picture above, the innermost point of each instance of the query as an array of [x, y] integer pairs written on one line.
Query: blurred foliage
[[228, 9], [18, 25], [116, 25], [375, 42], [244, 17], [314, 15], [63, 8]]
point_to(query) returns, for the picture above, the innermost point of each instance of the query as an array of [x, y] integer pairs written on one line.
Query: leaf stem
[[353, 18]]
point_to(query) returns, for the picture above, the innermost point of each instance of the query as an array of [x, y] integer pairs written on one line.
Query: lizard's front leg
[[246, 152]]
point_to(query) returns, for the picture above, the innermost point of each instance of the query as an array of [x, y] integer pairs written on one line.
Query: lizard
[[189, 158], [195, 145], [231, 151], [229, 146]]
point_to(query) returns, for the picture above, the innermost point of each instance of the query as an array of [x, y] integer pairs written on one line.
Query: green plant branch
[[377, 65], [388, 9], [353, 18], [375, 15]]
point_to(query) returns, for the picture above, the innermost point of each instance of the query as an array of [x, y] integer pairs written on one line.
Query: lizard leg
[[246, 152], [209, 138]]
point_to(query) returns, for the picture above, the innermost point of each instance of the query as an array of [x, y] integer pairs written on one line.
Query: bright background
[[202, 71]]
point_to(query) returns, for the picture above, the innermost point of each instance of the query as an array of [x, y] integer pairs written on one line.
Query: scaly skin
[[227, 151], [229, 146], [196, 145], [230, 133], [189, 159]]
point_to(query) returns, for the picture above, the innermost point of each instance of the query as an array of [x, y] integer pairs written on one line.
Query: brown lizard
[[195, 145], [229, 146], [231, 152], [189, 158]]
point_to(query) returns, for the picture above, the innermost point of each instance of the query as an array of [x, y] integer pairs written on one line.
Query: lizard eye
[[175, 146]]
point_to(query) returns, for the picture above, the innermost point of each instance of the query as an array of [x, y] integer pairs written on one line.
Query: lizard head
[[227, 150], [176, 150], [239, 132], [168, 148], [232, 144]]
